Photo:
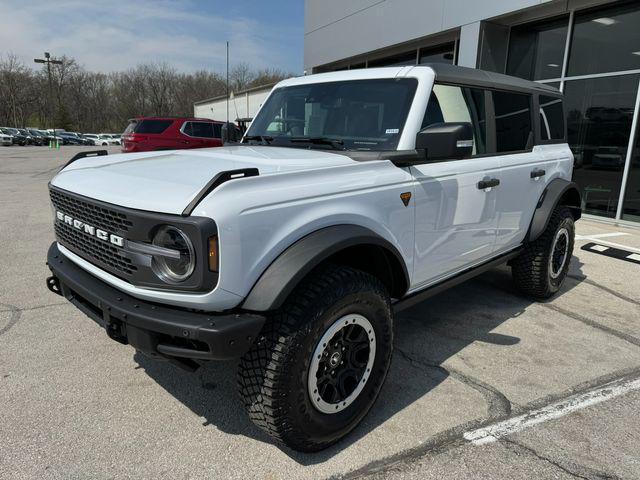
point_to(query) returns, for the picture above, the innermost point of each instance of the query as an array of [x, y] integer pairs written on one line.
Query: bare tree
[[13, 82], [81, 100]]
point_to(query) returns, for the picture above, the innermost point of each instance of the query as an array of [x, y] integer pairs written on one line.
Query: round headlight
[[173, 270]]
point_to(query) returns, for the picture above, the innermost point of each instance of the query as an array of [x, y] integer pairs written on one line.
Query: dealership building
[[588, 49]]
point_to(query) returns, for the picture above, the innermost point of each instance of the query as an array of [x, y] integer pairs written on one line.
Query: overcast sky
[[188, 34]]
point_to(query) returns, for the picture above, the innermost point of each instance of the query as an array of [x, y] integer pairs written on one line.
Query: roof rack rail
[[78, 156], [215, 182]]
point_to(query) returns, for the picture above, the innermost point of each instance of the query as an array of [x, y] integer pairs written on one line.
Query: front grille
[[93, 249], [95, 215], [87, 227]]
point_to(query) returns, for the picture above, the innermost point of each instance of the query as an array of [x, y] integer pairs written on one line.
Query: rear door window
[[551, 118], [152, 126], [514, 130], [449, 103]]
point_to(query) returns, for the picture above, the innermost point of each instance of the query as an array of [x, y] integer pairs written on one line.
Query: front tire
[[321, 360], [541, 268]]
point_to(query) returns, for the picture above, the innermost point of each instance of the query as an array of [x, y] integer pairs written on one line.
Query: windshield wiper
[[333, 142], [260, 138]]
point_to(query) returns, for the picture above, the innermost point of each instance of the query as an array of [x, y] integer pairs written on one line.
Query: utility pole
[[48, 61]]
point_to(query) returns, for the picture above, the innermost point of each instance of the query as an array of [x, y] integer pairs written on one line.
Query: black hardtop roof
[[471, 76]]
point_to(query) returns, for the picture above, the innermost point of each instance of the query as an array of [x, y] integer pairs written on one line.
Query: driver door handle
[[490, 183], [538, 173]]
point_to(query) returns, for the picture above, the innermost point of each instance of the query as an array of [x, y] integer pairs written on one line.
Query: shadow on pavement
[[427, 334]]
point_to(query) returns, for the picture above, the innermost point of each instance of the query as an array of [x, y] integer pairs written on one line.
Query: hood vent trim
[[215, 182]]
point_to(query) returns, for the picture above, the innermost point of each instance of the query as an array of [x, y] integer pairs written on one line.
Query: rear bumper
[[131, 147], [155, 329]]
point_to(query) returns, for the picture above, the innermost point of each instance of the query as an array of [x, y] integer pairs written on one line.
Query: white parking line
[[600, 235], [597, 239], [496, 431]]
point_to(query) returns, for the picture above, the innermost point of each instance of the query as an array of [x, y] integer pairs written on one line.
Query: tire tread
[[529, 269], [263, 370]]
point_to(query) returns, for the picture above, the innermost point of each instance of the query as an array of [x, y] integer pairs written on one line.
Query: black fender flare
[[558, 190], [291, 266]]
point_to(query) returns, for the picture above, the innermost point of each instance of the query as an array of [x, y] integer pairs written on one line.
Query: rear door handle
[[490, 183], [538, 173]]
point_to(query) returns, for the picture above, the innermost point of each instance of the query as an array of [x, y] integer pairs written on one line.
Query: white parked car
[[109, 138], [353, 195], [100, 139], [6, 140]]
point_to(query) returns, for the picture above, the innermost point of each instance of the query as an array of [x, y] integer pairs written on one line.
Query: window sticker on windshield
[[392, 130]]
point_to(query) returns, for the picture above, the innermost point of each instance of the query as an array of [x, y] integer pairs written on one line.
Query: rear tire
[[338, 314], [541, 268]]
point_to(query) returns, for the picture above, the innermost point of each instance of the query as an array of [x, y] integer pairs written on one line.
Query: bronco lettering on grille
[[90, 229]]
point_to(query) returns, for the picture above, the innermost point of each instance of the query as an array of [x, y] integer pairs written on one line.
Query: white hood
[[167, 181]]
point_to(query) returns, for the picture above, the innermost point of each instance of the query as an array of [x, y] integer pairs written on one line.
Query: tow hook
[[53, 284], [115, 330]]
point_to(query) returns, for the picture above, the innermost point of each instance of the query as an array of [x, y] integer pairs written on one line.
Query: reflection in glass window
[[536, 51], [631, 203], [551, 118], [408, 58], [599, 114], [457, 104], [514, 130], [360, 114], [440, 54], [606, 41]]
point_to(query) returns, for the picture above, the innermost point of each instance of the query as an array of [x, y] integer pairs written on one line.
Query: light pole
[[48, 61], [227, 85]]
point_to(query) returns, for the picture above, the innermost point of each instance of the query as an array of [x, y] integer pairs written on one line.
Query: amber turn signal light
[[213, 253]]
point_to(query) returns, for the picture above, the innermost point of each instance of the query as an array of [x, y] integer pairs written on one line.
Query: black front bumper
[[155, 329]]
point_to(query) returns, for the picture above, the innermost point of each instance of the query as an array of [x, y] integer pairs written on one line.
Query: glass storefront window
[[439, 54], [599, 115], [408, 58], [551, 118], [631, 203], [606, 41], [536, 52]]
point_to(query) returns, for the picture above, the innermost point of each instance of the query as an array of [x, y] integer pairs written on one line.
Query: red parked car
[[145, 134]]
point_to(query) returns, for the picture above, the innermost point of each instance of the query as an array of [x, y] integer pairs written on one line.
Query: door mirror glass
[[446, 141]]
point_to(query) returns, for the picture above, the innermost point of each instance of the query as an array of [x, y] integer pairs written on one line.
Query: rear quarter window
[[151, 126]]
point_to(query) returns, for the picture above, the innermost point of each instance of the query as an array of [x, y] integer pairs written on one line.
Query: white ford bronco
[[352, 196]]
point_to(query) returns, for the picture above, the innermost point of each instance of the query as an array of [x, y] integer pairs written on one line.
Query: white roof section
[[419, 72]]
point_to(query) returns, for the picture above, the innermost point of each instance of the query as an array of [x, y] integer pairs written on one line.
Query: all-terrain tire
[[273, 375], [533, 272]]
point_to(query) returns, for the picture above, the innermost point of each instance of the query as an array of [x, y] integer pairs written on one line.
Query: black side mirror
[[453, 140], [229, 133]]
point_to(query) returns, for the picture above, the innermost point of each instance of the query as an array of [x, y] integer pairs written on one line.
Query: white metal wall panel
[[336, 29]]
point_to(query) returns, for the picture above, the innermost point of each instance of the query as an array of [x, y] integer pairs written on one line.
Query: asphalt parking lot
[[74, 404]]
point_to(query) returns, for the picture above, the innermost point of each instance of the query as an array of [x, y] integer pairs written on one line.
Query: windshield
[[353, 114]]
